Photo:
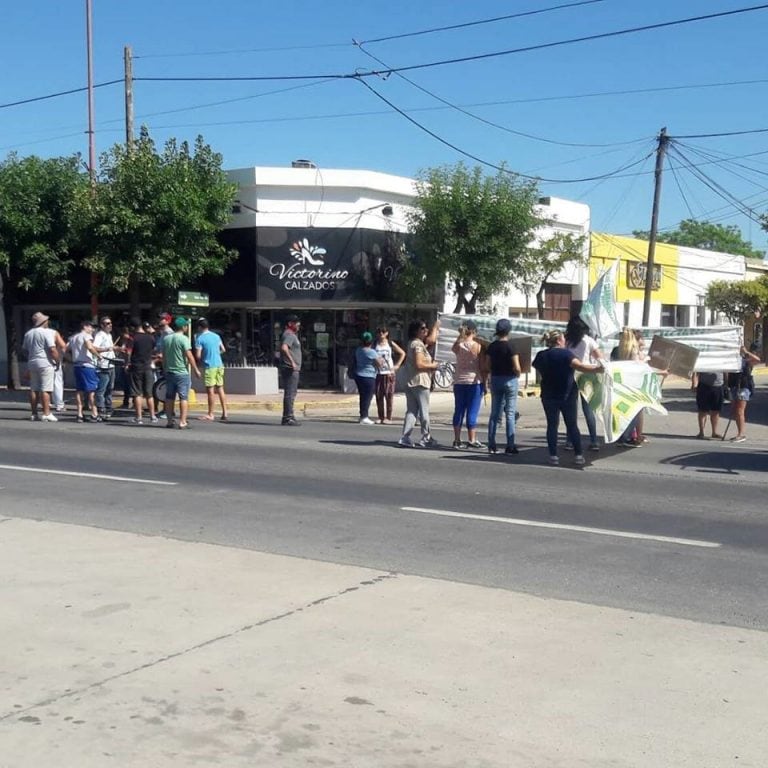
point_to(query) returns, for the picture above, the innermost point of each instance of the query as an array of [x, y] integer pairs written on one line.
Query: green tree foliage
[[43, 206], [738, 299], [156, 216], [708, 237], [471, 229], [545, 259]]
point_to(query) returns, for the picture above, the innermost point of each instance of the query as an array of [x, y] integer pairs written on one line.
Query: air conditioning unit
[[303, 164]]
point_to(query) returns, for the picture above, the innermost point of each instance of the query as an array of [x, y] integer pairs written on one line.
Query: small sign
[[185, 311], [193, 299], [319, 327], [636, 271], [672, 356]]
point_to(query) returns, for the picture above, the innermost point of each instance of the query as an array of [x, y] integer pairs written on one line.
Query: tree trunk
[[11, 336], [540, 302], [471, 305], [134, 296]]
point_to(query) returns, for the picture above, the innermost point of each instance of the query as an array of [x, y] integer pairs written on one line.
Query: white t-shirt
[[101, 340], [80, 353], [583, 350], [37, 345], [384, 351]]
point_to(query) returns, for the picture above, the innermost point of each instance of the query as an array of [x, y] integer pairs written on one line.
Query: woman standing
[[559, 393], [367, 363], [740, 393], [629, 349], [501, 369], [385, 375], [467, 385], [418, 366], [585, 348]]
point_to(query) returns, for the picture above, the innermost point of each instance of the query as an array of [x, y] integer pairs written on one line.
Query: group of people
[[142, 353]]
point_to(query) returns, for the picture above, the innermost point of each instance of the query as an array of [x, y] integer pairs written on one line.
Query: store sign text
[[299, 278]]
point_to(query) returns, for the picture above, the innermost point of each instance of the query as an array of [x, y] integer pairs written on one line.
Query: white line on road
[[566, 527], [90, 475]]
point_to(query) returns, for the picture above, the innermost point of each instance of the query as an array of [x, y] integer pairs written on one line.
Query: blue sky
[[342, 124]]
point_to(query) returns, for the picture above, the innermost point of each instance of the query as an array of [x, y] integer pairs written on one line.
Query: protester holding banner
[[586, 349], [629, 349], [559, 394], [738, 383]]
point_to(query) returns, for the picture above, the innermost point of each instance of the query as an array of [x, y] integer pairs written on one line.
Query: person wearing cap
[[39, 346], [290, 366], [140, 373], [501, 372], [367, 362], [177, 359], [559, 393], [467, 385], [84, 354], [208, 349]]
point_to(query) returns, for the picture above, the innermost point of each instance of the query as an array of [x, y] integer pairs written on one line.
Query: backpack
[[352, 363]]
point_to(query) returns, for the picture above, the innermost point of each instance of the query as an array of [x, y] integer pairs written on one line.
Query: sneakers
[[405, 442], [162, 415], [491, 449], [737, 439], [511, 449], [290, 423], [365, 420], [594, 447], [49, 417], [475, 444], [386, 421], [579, 460], [427, 442], [136, 420], [35, 417], [568, 447], [61, 408], [458, 445], [154, 420], [554, 461]]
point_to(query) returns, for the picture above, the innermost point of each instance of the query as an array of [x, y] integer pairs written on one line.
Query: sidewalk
[[139, 651]]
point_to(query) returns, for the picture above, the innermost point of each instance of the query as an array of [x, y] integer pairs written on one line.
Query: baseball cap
[[180, 322], [367, 337], [165, 316], [503, 326], [292, 319], [39, 318]]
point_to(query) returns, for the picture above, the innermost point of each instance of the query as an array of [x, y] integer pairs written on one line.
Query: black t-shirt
[[500, 354], [142, 348], [554, 367]]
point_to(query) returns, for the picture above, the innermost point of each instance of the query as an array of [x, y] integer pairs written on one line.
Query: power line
[[479, 22], [477, 159], [718, 135], [33, 99]]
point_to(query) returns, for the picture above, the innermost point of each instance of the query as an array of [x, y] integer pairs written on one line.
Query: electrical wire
[[34, 99]]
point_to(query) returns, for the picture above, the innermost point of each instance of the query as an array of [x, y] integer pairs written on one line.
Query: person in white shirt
[[105, 367], [39, 346], [586, 350], [84, 354]]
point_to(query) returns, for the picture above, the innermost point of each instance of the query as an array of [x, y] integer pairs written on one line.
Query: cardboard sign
[[679, 359]]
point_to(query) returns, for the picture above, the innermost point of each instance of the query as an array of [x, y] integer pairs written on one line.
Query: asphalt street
[[675, 528]]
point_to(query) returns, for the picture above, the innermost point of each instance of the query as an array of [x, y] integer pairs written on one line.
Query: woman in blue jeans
[[559, 393], [501, 367], [367, 362]]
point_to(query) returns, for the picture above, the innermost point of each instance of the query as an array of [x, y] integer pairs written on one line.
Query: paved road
[[343, 493]]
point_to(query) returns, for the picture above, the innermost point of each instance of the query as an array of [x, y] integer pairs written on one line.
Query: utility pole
[[91, 138], [661, 150], [128, 66]]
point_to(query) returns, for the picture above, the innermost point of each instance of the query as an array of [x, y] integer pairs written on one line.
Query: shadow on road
[[721, 463]]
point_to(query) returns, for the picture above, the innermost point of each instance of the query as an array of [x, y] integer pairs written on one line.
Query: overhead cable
[[33, 99]]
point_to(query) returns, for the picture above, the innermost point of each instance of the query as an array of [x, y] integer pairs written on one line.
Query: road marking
[[90, 475], [565, 527]]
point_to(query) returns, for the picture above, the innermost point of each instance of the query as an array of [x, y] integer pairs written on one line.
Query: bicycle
[[444, 374]]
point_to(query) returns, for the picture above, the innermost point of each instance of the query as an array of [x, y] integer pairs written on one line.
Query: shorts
[[41, 379], [709, 399], [86, 378], [740, 394], [177, 385], [214, 377], [142, 382]]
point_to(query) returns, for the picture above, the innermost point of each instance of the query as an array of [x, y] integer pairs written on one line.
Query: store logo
[[305, 253], [309, 273]]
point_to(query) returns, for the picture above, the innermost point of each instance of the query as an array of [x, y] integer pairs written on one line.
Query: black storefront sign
[[298, 266]]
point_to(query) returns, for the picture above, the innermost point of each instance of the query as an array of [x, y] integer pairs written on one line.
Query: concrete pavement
[[132, 650]]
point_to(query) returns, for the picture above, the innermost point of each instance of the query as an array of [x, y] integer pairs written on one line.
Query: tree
[[43, 205], [738, 299], [470, 229], [708, 237], [546, 259], [156, 217]]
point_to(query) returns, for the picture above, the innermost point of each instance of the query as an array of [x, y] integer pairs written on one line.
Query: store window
[[667, 315]]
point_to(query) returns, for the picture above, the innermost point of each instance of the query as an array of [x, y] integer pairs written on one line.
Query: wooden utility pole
[[128, 62], [661, 151], [91, 138]]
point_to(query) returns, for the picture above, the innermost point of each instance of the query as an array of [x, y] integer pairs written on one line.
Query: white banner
[[599, 310]]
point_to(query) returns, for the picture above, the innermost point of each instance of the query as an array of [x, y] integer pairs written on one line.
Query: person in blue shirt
[[559, 393], [208, 349], [367, 362]]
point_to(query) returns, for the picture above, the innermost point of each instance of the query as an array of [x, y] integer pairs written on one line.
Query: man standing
[[709, 400], [39, 345], [290, 365], [84, 354], [105, 368], [140, 372], [208, 349], [177, 357]]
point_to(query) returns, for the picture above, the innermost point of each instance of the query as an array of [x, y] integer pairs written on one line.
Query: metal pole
[[128, 66], [91, 137], [660, 152]]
